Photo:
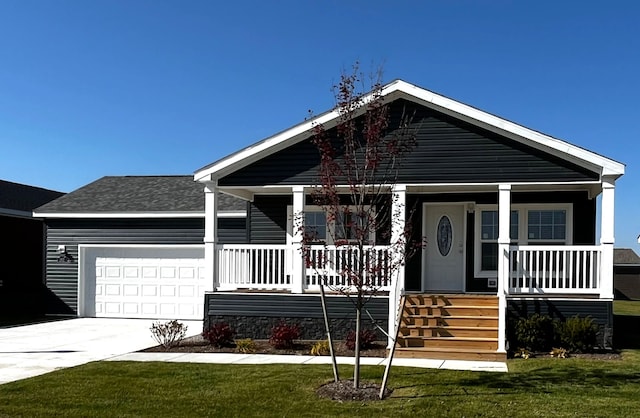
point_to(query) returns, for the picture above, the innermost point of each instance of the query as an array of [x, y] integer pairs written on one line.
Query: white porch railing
[[270, 267], [333, 264], [254, 266], [544, 269]]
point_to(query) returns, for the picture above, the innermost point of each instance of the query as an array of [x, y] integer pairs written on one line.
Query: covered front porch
[[471, 238]]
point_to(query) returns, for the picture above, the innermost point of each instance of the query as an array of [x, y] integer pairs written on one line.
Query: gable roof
[[137, 196], [625, 256], [20, 199], [401, 89]]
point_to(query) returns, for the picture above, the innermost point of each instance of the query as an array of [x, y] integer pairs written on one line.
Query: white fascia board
[[112, 215], [138, 215], [233, 214], [81, 246], [399, 88], [564, 149]]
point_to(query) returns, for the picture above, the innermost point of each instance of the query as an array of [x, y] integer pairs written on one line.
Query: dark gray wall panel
[[233, 231], [289, 305], [253, 315], [268, 219], [448, 150], [626, 282]]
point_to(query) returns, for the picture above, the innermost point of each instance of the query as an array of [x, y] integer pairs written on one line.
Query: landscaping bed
[[197, 344]]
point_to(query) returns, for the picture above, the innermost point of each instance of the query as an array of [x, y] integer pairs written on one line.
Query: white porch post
[[211, 235], [396, 285], [298, 276], [607, 238], [504, 240]]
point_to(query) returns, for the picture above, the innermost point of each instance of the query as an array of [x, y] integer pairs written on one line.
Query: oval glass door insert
[[444, 235]]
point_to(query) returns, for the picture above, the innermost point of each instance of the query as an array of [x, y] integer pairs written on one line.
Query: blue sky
[[95, 88]]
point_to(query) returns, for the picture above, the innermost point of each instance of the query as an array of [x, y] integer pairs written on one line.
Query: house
[[513, 209], [520, 210], [22, 289], [626, 274], [132, 246]]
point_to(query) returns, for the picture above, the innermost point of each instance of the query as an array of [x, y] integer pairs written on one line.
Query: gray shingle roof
[[625, 256], [127, 194], [20, 197]]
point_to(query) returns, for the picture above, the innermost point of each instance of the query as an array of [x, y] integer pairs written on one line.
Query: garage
[[155, 282]]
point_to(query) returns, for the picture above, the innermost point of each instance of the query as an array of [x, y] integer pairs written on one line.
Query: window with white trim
[[529, 224], [318, 229], [489, 237], [315, 225], [547, 225]]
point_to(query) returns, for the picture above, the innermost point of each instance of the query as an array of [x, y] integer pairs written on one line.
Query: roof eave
[[399, 88]]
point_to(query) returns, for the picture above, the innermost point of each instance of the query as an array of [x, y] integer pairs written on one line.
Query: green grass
[[534, 387], [626, 307]]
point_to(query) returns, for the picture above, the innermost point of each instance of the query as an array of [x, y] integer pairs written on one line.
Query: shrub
[[535, 333], [522, 353], [367, 338], [168, 334], [559, 353], [219, 335], [283, 334], [578, 334], [246, 346], [320, 348]]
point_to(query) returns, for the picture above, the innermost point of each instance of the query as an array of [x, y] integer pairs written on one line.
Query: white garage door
[[149, 284]]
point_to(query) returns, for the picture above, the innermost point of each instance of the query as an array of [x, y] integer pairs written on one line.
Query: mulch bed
[[197, 344], [343, 390]]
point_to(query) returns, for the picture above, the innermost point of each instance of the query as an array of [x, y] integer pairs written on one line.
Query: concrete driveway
[[32, 350]]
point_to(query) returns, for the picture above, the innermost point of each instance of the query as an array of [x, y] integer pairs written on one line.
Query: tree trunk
[[336, 375], [356, 368]]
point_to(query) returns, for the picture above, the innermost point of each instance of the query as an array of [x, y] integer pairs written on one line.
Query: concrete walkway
[[32, 350], [231, 358]]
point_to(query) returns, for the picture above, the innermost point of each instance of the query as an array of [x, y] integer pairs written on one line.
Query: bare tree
[[359, 162]]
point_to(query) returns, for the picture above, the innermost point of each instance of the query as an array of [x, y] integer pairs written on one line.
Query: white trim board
[[137, 215], [401, 89]]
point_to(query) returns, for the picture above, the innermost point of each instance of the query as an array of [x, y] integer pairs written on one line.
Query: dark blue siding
[[268, 219], [253, 315], [448, 150]]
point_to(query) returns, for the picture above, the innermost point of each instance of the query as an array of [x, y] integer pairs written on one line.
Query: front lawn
[[534, 387], [626, 307]]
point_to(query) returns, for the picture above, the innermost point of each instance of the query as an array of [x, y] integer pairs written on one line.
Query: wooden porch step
[[450, 354], [446, 326], [460, 320], [480, 343], [457, 300], [449, 331], [452, 310]]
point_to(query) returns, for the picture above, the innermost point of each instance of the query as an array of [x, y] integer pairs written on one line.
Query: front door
[[443, 257]]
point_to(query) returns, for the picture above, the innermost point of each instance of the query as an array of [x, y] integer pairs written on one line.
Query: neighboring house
[[132, 246], [22, 288], [626, 272], [521, 213]]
